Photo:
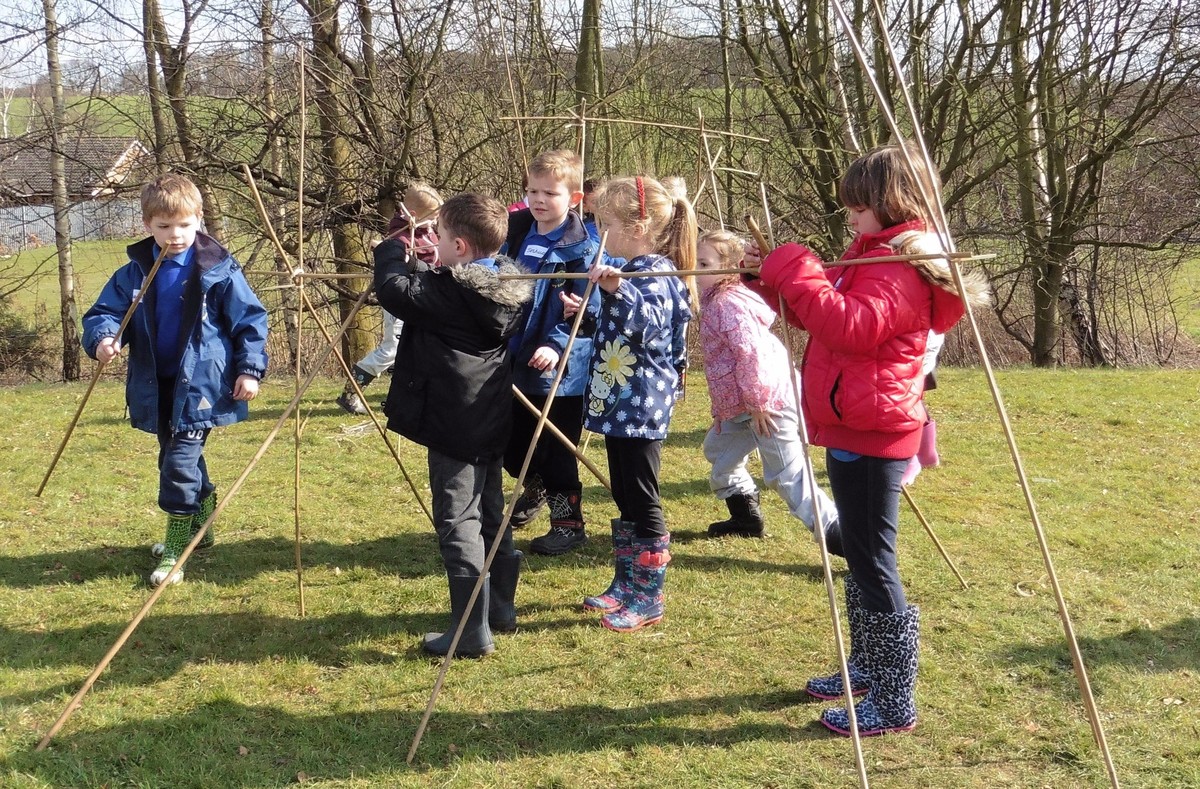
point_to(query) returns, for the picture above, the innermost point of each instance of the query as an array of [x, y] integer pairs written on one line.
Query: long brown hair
[[881, 181]]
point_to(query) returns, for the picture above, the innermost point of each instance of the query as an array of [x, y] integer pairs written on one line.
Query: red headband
[[641, 187]]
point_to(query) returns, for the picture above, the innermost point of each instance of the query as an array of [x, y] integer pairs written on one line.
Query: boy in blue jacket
[[197, 351], [550, 237]]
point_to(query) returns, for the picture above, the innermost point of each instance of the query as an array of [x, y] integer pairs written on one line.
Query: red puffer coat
[[868, 326]]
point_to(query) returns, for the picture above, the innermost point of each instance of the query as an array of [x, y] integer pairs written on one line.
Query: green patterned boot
[[179, 534], [207, 506]]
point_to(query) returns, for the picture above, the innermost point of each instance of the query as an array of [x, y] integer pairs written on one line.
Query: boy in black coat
[[452, 392]]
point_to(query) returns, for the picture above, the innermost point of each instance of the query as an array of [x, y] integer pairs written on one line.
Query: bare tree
[[68, 311]]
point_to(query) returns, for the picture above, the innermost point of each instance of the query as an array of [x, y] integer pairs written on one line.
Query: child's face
[[550, 199], [863, 220], [453, 250], [624, 241], [174, 233], [707, 259]]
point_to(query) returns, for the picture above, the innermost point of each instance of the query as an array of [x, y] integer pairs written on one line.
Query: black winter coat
[[452, 385]]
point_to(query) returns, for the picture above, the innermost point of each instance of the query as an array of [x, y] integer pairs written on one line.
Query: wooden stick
[[370, 411], [575, 119], [755, 269], [1081, 674], [818, 524], [133, 305], [299, 427], [929, 530], [762, 190], [508, 511], [512, 93], [562, 437], [199, 535]]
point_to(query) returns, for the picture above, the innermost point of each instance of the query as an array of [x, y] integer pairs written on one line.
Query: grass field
[[224, 685]]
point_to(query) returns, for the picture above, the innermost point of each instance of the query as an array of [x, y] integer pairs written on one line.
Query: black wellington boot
[[476, 639], [502, 613], [745, 517]]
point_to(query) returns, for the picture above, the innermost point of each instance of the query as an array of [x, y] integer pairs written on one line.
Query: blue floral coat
[[639, 352]]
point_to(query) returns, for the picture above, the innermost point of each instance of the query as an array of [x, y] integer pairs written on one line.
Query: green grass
[[225, 685], [31, 276]]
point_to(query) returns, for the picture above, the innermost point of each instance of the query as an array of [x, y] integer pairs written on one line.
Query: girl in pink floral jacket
[[753, 404]]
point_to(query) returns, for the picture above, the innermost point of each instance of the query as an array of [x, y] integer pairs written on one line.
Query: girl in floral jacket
[[753, 403], [638, 356]]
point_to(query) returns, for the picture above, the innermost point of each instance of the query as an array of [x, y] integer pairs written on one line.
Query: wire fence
[[25, 226]]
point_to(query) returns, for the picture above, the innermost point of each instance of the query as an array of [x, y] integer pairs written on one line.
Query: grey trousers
[[468, 504], [782, 463]]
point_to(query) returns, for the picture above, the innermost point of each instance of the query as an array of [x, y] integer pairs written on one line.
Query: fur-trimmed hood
[[937, 270], [505, 292]]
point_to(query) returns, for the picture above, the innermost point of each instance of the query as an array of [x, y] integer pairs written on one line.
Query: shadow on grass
[[280, 744], [1173, 647], [407, 554]]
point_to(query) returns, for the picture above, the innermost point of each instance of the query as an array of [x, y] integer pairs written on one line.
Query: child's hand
[[571, 303], [606, 277], [716, 426], [245, 388], [753, 256], [762, 423], [107, 350], [544, 359]]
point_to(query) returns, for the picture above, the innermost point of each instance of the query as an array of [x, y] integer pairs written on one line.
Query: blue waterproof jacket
[[544, 323], [641, 353], [223, 335]]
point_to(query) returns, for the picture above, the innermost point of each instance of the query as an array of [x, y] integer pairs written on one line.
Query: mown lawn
[[224, 685]]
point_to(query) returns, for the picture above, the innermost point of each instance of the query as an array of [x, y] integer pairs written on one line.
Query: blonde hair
[[562, 165], [881, 181], [421, 202], [668, 221], [730, 248], [171, 195]]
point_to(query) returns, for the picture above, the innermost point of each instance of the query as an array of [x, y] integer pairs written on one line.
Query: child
[[412, 226], [451, 393], [868, 327], [586, 208], [549, 236], [753, 403], [639, 357], [197, 352]]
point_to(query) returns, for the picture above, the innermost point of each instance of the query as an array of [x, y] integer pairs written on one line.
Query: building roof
[[96, 165]]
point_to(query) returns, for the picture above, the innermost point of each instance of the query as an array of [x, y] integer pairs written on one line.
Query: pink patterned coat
[[745, 364]]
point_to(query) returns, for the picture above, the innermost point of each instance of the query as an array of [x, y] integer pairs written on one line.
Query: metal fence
[[26, 226]]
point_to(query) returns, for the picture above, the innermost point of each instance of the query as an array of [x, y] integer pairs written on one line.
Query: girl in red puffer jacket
[[868, 326]]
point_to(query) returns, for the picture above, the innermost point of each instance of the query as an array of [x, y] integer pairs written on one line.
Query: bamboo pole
[[929, 530], [938, 213], [147, 281], [566, 442], [299, 284], [508, 511], [77, 700], [818, 526], [630, 121], [262, 211], [513, 93]]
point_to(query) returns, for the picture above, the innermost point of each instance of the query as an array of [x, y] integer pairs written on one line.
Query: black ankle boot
[[502, 613], [476, 639], [745, 517]]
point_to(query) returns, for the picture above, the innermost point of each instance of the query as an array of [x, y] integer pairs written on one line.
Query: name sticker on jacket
[[536, 251]]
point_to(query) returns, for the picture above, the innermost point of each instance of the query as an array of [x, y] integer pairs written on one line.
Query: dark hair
[[479, 220], [881, 181]]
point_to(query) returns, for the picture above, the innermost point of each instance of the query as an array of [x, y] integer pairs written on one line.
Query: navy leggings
[[867, 494], [633, 465]]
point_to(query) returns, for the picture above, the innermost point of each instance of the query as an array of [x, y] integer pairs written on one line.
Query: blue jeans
[[867, 494], [468, 505], [182, 474]]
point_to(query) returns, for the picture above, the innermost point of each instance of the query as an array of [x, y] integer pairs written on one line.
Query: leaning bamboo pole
[[299, 284], [77, 700], [543, 419], [137, 299], [938, 214]]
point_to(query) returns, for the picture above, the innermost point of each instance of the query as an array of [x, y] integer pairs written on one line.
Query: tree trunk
[[154, 86], [587, 70], [68, 312], [287, 297], [339, 170]]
